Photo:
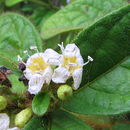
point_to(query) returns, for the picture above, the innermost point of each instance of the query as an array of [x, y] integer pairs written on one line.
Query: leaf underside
[[78, 15]]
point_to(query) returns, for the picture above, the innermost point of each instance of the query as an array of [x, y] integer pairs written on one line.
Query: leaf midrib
[[114, 66], [100, 76]]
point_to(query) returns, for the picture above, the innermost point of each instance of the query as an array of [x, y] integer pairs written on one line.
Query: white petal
[[71, 50], [35, 84], [27, 73], [80, 60], [48, 75], [36, 55], [15, 128], [53, 58], [60, 75], [77, 77], [4, 121]]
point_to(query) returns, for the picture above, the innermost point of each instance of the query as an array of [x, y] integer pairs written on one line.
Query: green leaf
[[40, 103], [5, 60], [12, 2], [78, 15], [16, 35], [36, 123], [95, 120], [121, 127], [108, 42], [38, 14], [17, 86], [64, 121]]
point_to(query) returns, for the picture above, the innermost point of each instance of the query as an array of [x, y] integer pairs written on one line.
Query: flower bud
[[64, 91], [3, 103], [23, 117]]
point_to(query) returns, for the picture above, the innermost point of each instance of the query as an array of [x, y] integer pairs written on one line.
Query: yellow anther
[[38, 64], [70, 63]]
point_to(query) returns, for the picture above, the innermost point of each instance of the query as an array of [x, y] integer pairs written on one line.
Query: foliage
[[100, 28], [104, 97], [40, 103], [78, 15]]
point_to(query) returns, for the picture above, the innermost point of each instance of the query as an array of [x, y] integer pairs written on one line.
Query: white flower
[[4, 122], [71, 64], [38, 69]]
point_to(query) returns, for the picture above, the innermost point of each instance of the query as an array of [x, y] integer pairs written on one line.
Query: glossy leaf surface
[[108, 42]]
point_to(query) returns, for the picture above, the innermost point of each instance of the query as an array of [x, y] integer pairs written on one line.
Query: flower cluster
[[39, 67]]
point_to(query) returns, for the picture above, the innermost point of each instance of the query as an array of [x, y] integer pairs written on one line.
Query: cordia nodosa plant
[[64, 65]]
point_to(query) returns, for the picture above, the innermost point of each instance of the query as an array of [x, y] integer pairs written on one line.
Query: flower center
[[70, 63], [38, 64]]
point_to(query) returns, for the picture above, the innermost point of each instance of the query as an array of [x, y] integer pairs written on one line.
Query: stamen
[[20, 60], [85, 63], [26, 52], [61, 46], [90, 59], [34, 48], [72, 64]]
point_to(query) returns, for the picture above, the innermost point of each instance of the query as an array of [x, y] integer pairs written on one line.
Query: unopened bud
[[64, 91], [3, 103], [23, 117]]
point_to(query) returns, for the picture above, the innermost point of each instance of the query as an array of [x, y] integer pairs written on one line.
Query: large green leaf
[[6, 60], [17, 86], [95, 120], [64, 121], [77, 15], [36, 123], [16, 35], [12, 2], [121, 127], [108, 42], [40, 103]]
